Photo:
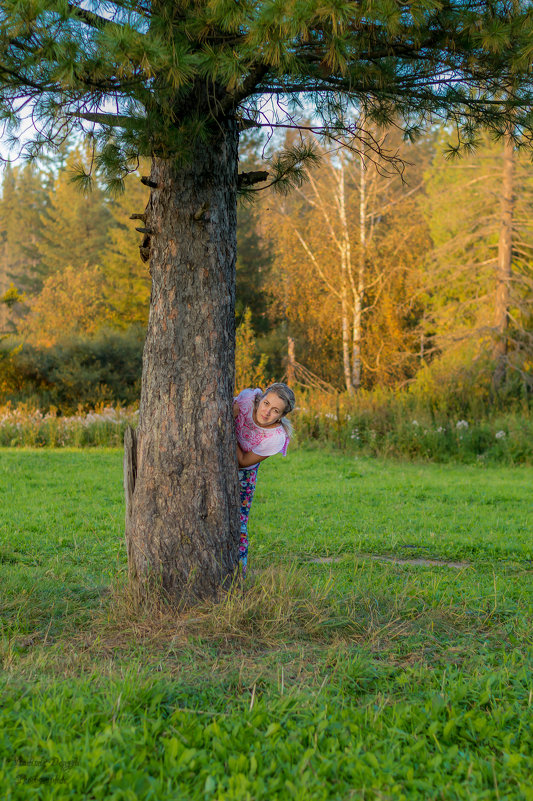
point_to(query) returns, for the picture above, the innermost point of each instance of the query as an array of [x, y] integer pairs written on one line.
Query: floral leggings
[[247, 479]]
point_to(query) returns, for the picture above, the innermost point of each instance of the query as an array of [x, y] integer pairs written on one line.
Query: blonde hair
[[287, 395]]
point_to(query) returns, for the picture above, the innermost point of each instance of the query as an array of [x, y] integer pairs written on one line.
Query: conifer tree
[[71, 302], [24, 198], [74, 226], [8, 211], [254, 256], [127, 280], [22, 202], [175, 80], [480, 265]]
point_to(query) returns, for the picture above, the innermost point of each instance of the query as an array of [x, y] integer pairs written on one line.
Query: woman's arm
[[249, 458]]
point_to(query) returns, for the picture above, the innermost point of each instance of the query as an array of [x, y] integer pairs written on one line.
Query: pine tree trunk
[[182, 522], [505, 252]]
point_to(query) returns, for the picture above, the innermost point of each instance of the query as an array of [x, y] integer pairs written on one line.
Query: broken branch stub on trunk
[[251, 178], [148, 182]]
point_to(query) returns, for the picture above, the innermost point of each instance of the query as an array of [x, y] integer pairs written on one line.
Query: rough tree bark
[[182, 515], [505, 255]]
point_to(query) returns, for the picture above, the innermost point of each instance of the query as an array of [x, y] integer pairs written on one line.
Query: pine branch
[[245, 124], [22, 81], [93, 19], [111, 120]]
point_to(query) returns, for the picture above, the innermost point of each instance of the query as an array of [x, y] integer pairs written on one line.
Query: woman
[[262, 431]]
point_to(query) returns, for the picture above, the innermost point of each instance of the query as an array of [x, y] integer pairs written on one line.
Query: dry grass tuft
[[278, 605]]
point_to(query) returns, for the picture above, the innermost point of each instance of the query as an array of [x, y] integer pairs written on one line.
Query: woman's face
[[270, 409]]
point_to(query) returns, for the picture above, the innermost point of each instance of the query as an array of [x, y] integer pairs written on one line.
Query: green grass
[[338, 674]]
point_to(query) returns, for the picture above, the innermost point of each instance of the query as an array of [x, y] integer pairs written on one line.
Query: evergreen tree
[[8, 211], [127, 280], [74, 226], [21, 205], [24, 198], [480, 267], [254, 256], [175, 80], [70, 303], [45, 223], [250, 364]]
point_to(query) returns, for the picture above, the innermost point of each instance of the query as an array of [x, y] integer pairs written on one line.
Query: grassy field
[[382, 649]]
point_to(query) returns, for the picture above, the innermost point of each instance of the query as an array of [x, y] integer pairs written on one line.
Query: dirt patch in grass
[[323, 560]]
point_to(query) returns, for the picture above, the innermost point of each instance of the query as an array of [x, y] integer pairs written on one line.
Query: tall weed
[[384, 423], [26, 426], [377, 423]]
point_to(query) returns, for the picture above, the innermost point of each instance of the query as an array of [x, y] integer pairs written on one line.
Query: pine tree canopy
[[153, 77]]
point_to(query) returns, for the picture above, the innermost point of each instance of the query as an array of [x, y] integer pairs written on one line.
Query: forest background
[[396, 300]]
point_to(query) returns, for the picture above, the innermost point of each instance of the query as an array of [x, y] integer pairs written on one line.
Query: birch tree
[[343, 242]]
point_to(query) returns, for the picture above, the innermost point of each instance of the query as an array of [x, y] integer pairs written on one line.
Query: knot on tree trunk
[[144, 248], [202, 214]]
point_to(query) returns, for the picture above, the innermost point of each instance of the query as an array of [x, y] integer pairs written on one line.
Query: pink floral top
[[250, 436]]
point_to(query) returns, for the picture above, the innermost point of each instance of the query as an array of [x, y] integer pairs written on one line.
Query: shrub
[[250, 364], [29, 427], [75, 372]]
